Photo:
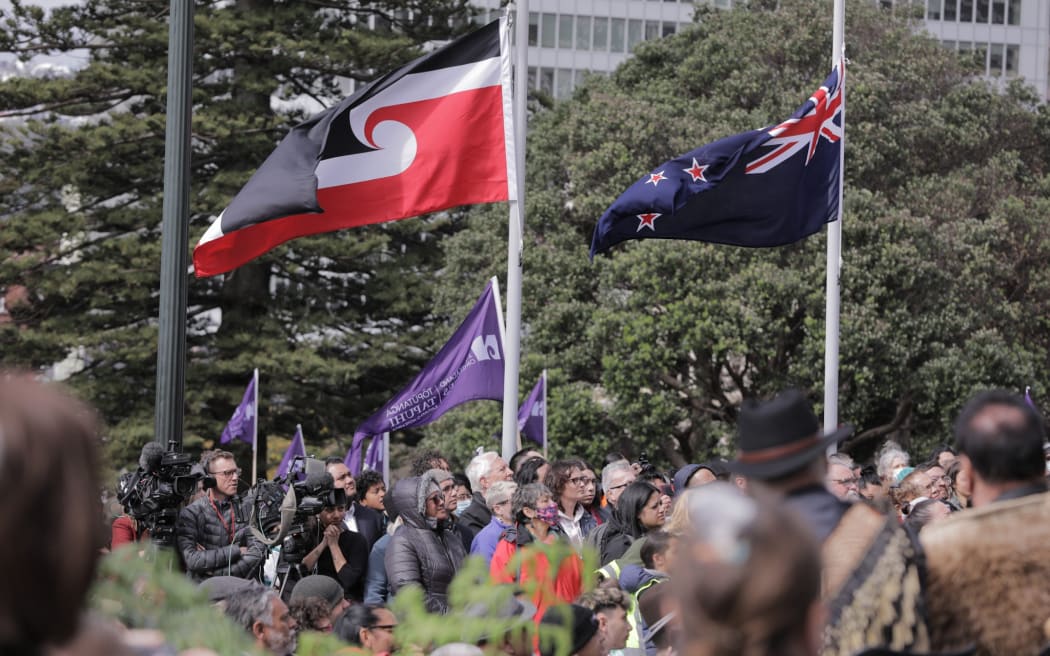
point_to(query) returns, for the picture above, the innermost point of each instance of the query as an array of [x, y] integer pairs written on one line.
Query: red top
[[564, 587]]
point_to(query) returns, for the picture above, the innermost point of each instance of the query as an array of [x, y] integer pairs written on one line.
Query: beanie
[[570, 616], [218, 588], [320, 586]]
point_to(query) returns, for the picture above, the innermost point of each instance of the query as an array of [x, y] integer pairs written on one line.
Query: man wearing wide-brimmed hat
[[781, 448]]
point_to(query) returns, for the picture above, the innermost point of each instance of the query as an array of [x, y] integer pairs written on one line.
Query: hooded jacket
[[424, 551], [206, 546]]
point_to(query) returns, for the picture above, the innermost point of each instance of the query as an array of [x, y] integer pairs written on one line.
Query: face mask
[[548, 515], [462, 505]]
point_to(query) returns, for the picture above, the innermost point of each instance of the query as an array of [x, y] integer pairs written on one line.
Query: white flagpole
[[516, 223], [545, 438], [255, 428], [834, 264], [386, 458]]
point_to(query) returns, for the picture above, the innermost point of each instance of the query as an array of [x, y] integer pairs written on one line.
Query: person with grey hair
[[616, 477], [840, 478], [497, 497], [890, 460], [265, 617], [484, 470]]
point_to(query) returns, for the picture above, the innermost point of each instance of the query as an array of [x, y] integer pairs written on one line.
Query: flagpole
[[515, 227], [386, 458], [255, 429], [545, 438], [834, 262]]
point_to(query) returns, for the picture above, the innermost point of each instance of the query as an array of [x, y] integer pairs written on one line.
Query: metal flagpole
[[834, 264], [255, 428], [171, 338], [386, 459], [545, 438], [516, 223]]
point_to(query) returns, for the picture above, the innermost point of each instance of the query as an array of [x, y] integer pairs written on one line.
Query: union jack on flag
[[761, 188]]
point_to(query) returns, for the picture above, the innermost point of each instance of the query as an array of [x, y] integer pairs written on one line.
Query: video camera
[[153, 493]]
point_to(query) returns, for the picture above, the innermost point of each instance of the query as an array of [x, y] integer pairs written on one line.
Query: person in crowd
[[429, 460], [536, 523], [568, 481], [357, 518], [219, 588], [211, 533], [658, 555], [513, 623], [869, 486], [959, 488], [570, 630], [522, 455], [376, 589], [700, 475], [533, 470], [49, 482], [944, 455], [987, 567], [840, 479], [426, 550], [611, 607], [337, 552], [498, 497], [372, 490], [260, 612], [369, 627], [678, 523], [325, 588], [463, 493], [659, 612], [125, 530], [749, 582], [913, 488], [938, 480], [484, 470], [311, 614], [616, 477], [590, 499], [638, 511], [926, 512], [662, 482], [890, 460]]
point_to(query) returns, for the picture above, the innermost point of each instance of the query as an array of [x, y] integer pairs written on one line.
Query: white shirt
[[571, 525], [350, 521]]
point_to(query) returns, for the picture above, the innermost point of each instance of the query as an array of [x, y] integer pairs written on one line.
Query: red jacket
[[534, 570]]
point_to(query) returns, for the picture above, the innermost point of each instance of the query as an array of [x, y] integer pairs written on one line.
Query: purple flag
[[467, 368], [532, 415], [296, 448], [1028, 396], [242, 423], [375, 453]]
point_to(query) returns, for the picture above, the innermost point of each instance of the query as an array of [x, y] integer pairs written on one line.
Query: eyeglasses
[[229, 473], [845, 481], [617, 487], [583, 481], [385, 627]]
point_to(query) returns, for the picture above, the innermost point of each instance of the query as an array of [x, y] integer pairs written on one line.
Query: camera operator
[[212, 536], [338, 552]]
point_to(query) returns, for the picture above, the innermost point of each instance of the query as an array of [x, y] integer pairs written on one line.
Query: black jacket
[[199, 524], [352, 576], [369, 524], [476, 517], [427, 554], [820, 509]]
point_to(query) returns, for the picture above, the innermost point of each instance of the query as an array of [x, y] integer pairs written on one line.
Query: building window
[[583, 32], [1012, 53], [933, 9], [966, 11], [998, 12], [980, 55], [547, 80], [534, 28], [618, 34], [532, 77], [1013, 16], [565, 31], [669, 29], [548, 30], [577, 79], [634, 33], [652, 30], [564, 83], [995, 59], [981, 16], [951, 10], [601, 33]]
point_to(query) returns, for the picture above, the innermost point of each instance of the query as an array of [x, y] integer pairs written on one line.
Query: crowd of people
[[782, 550]]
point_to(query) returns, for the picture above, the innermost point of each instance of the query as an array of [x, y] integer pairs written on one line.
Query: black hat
[[778, 437], [583, 624]]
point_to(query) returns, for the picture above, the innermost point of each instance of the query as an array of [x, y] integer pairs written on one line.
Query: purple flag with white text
[[296, 448], [532, 414], [242, 423], [468, 367]]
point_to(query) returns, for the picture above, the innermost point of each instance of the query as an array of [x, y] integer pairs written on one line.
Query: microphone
[[149, 459]]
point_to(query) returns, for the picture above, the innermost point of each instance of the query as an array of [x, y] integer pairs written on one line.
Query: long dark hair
[[630, 506]]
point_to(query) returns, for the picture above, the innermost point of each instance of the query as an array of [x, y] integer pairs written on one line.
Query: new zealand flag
[[766, 187]]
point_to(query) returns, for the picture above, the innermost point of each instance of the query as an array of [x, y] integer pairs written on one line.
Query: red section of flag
[[460, 160]]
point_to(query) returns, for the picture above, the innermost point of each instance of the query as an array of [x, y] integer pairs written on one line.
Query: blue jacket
[[376, 591], [486, 540]]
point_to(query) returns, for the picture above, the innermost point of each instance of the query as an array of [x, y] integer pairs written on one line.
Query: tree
[[658, 343], [335, 322]]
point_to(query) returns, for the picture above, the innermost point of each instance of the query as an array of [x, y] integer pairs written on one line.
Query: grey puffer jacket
[[427, 554], [199, 524]]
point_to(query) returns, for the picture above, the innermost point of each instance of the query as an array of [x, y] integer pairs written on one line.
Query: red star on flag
[[655, 178], [647, 221], [697, 171]]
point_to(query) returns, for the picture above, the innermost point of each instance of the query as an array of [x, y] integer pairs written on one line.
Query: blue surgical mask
[[462, 505]]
